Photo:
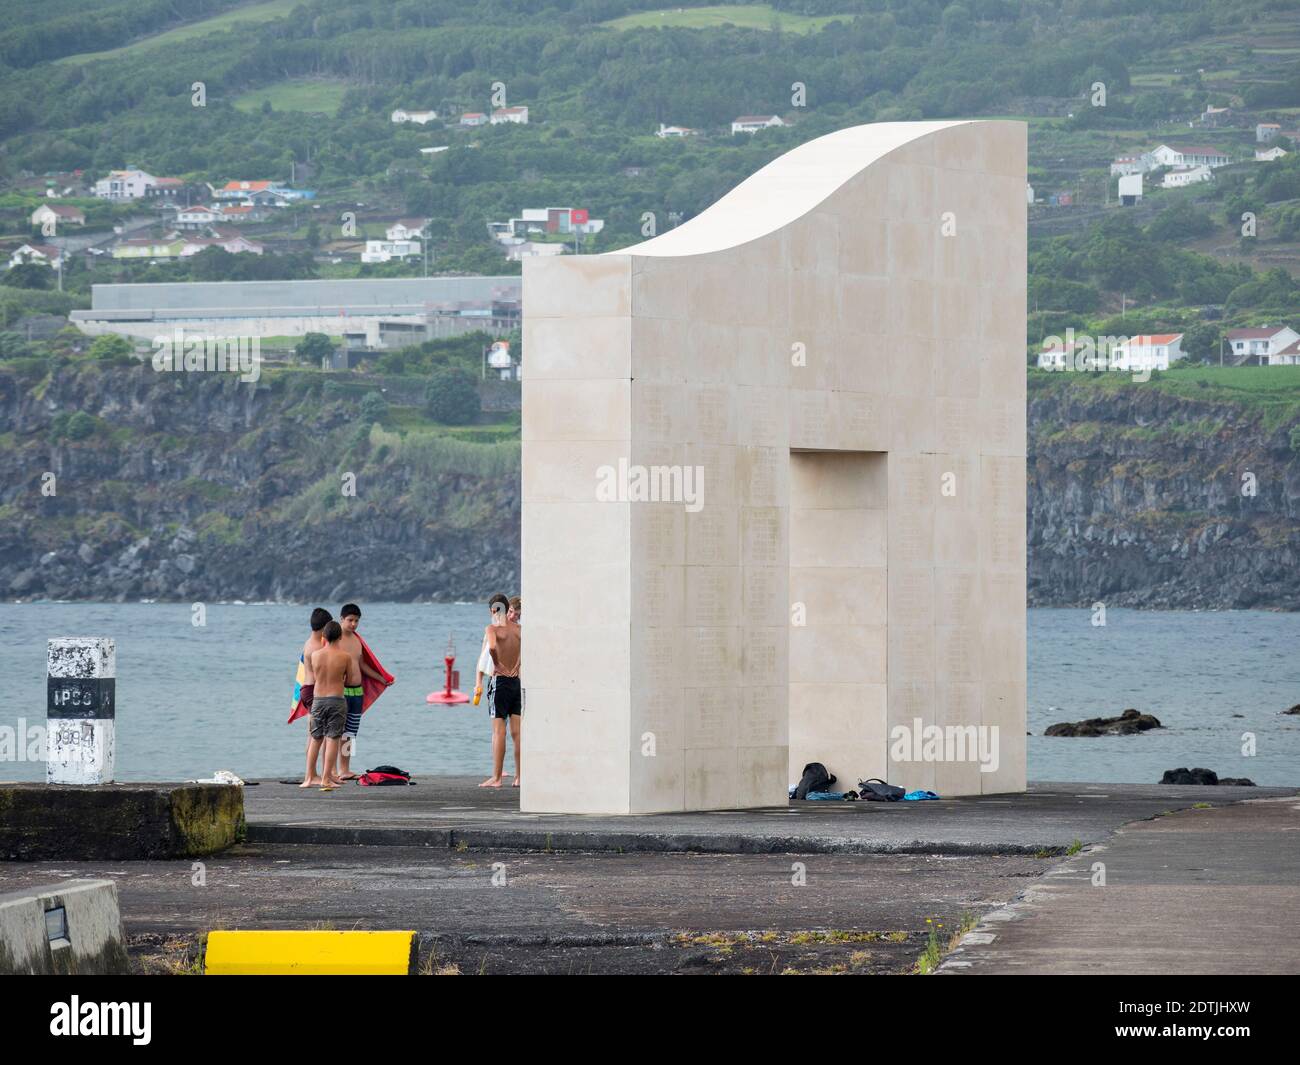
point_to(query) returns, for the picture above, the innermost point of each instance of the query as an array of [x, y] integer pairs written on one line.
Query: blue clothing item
[[824, 796], [917, 796]]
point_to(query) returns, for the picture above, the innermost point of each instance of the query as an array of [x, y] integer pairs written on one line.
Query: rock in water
[[1203, 776], [1129, 723], [1294, 710]]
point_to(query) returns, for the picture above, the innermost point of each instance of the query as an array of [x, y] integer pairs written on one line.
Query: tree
[[110, 347], [451, 397], [13, 346], [314, 348], [373, 408], [28, 275]]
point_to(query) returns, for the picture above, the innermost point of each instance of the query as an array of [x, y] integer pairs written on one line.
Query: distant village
[[1183, 165], [186, 218]]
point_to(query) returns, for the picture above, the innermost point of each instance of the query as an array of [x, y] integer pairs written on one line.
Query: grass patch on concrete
[[941, 941]]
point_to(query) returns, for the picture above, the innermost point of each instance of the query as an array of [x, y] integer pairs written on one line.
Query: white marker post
[[80, 710]]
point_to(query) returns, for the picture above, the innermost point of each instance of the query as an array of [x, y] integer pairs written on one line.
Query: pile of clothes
[[816, 783]]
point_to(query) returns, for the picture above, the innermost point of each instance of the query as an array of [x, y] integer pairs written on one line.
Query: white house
[[753, 123], [1267, 155], [420, 118], [1147, 352], [49, 216], [406, 229], [563, 221], [1058, 354], [196, 217], [1130, 189], [1192, 155], [1181, 177], [531, 249], [1132, 164], [435, 149], [124, 185], [503, 115], [383, 251], [1262, 343], [667, 132], [473, 118], [1287, 356], [234, 244], [45, 254], [1266, 131]]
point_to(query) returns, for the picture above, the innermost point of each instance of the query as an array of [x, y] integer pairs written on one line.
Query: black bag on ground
[[815, 778], [876, 790], [384, 776]]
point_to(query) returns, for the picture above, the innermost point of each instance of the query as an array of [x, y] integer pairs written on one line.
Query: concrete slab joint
[[774, 485]]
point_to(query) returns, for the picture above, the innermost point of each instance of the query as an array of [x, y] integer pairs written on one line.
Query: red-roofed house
[[233, 244], [1190, 155], [502, 115], [473, 118], [57, 214], [241, 190], [1288, 356], [1148, 352], [45, 254]]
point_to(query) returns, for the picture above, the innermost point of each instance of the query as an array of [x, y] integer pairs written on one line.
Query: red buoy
[[449, 696]]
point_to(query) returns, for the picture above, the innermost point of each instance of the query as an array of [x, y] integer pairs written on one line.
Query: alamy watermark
[[632, 483], [918, 742], [196, 353], [1082, 353]]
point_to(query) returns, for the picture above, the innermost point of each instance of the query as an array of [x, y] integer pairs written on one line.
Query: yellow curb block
[[311, 954]]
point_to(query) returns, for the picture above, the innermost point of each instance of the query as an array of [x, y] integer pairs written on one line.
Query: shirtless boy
[[320, 617], [505, 704], [349, 618], [335, 671]]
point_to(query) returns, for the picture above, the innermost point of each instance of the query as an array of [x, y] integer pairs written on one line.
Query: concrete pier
[[818, 888], [120, 821]]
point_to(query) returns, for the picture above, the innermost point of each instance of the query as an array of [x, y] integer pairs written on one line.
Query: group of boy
[[334, 669], [332, 691]]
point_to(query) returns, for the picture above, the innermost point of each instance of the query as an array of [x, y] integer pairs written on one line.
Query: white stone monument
[[774, 486], [80, 710]]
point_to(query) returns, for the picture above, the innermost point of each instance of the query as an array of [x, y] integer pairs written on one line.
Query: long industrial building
[[366, 313]]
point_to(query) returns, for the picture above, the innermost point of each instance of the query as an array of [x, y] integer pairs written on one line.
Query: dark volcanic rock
[[1134, 500], [1294, 710], [202, 489], [1129, 723], [1203, 777]]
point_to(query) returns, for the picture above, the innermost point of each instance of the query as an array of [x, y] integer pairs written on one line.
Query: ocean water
[[193, 700]]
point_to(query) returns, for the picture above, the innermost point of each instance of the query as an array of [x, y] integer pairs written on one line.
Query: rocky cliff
[[1170, 493], [120, 483], [1183, 491]]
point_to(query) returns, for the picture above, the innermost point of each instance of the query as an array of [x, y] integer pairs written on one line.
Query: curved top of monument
[[789, 187]]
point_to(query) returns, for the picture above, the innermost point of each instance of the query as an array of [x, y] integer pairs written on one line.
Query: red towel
[[372, 689]]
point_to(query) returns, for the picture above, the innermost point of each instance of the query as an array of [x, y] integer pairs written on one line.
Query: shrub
[[451, 397]]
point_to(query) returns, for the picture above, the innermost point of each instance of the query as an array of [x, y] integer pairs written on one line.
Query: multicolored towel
[[299, 677], [372, 688]]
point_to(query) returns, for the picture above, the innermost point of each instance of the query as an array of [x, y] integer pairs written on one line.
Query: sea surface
[[192, 700]]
